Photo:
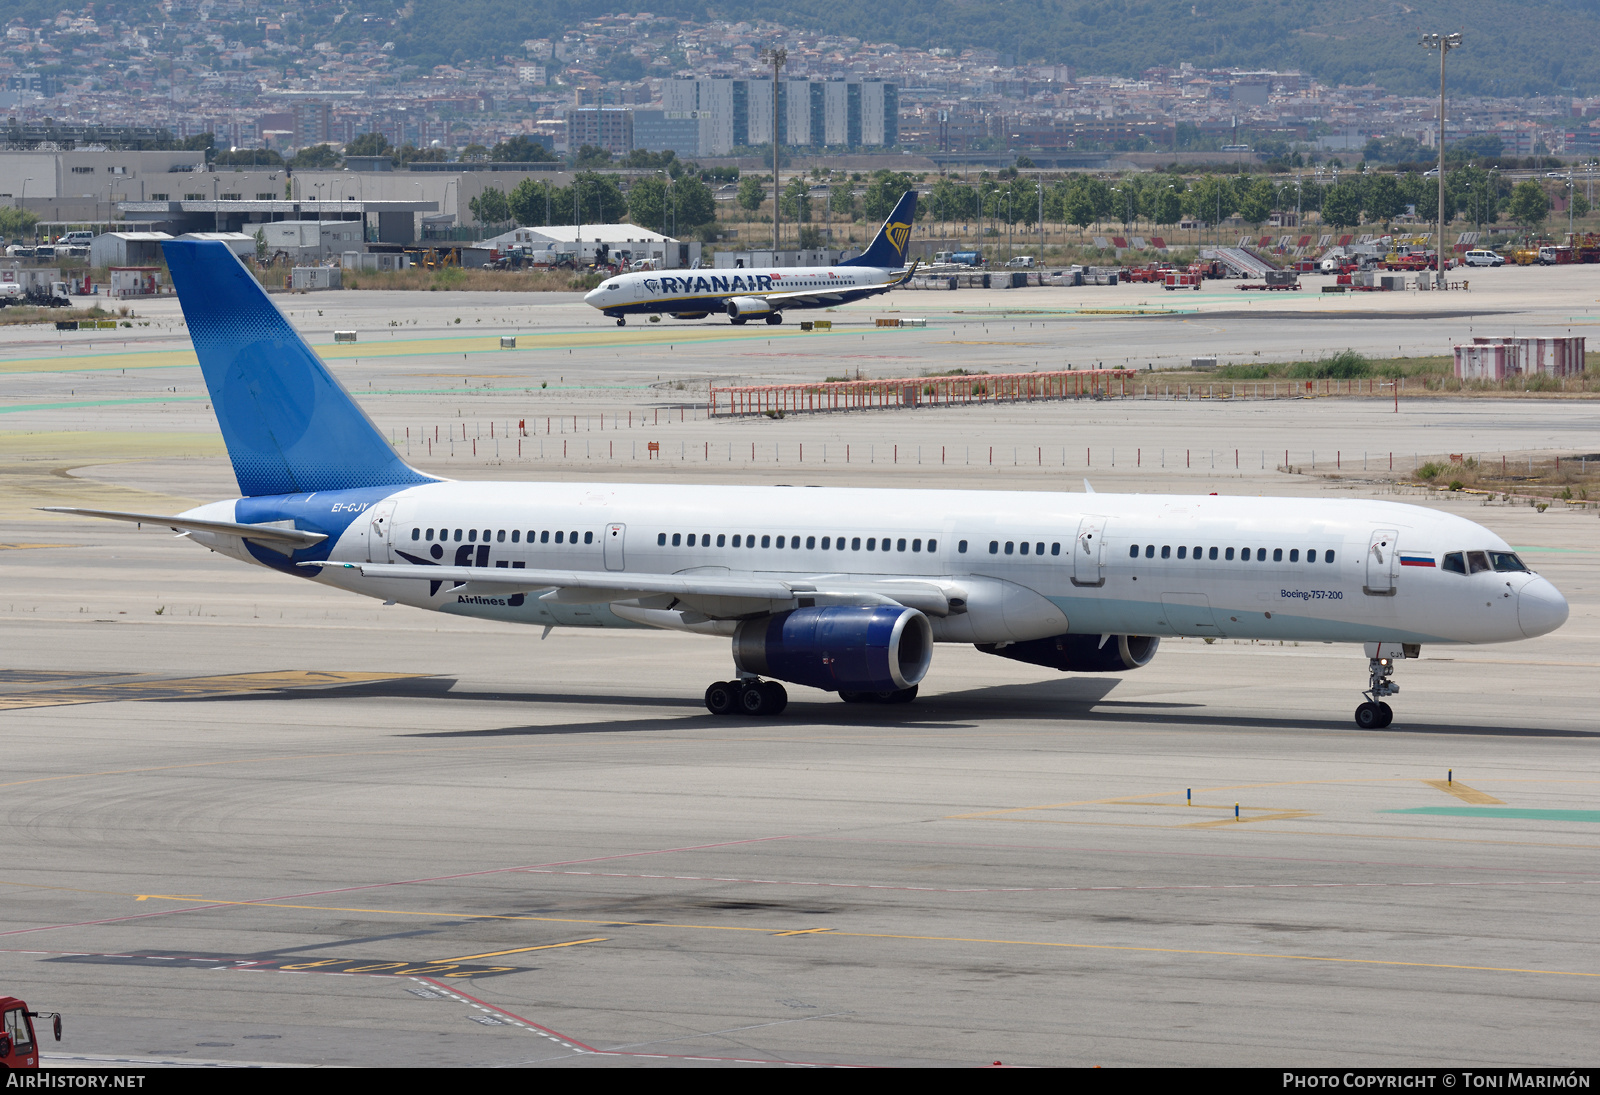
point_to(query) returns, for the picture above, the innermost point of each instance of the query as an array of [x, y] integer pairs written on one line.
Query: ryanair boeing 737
[[846, 590], [745, 294]]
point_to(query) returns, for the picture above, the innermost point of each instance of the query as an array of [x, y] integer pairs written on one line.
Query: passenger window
[[1133, 552], [1197, 552], [827, 542], [544, 537], [560, 537], [1024, 547], [690, 540], [1149, 551], [486, 535], [1261, 555], [1166, 551], [1505, 562], [516, 536], [416, 534], [933, 546], [961, 548], [1038, 549], [1311, 555], [472, 536], [900, 544], [749, 541], [1277, 555], [1055, 549], [676, 539], [1213, 554], [588, 537], [1455, 562], [1010, 547], [1182, 551], [855, 543], [916, 545], [1327, 556], [1226, 555], [764, 541], [994, 547], [872, 543], [737, 540], [429, 535], [661, 539], [811, 542], [1294, 555], [1477, 561], [722, 540], [500, 536]]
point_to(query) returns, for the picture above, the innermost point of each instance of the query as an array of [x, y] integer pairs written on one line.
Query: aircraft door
[[380, 532], [614, 538], [1089, 553], [1382, 563]]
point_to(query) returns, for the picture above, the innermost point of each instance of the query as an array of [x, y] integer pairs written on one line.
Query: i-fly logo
[[898, 235]]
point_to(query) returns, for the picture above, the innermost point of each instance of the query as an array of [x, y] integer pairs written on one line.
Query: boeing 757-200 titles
[[743, 294], [841, 589]]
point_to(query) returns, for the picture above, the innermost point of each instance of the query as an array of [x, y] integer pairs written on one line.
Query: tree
[[586, 158], [599, 199], [531, 203], [1341, 208], [882, 194], [317, 156], [1580, 206], [1529, 205], [1211, 199], [1384, 201], [647, 160], [1077, 207], [797, 200], [752, 192], [368, 144], [522, 149], [842, 201], [490, 207], [249, 157], [1255, 204], [648, 204], [475, 153], [413, 154], [693, 203], [1167, 207], [16, 222]]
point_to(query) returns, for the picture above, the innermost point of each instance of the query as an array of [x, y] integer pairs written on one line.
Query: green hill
[[1526, 48]]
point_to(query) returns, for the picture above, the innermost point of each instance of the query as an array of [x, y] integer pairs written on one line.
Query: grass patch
[[455, 279], [23, 314]]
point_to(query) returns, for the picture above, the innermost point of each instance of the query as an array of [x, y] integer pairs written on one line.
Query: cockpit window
[[1455, 562], [1477, 562], [1506, 562]]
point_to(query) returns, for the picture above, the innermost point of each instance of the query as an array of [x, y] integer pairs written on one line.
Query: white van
[[1483, 258]]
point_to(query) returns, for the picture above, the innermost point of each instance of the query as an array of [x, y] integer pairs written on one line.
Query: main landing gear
[[747, 697], [1375, 714], [774, 318], [622, 321]]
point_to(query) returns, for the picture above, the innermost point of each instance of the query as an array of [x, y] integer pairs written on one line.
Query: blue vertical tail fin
[[888, 249], [289, 425]]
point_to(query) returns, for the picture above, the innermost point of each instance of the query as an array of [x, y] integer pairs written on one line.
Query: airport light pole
[[1444, 43], [777, 58]]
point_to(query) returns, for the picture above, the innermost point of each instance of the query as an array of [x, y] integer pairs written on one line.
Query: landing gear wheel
[[774, 318], [621, 322], [721, 698], [1369, 716], [1388, 714], [777, 697], [754, 699]]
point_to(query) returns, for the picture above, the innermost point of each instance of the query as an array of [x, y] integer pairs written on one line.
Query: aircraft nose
[[1540, 608], [592, 297]]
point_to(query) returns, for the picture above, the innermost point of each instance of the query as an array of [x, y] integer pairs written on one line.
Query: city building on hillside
[[811, 113], [607, 127]]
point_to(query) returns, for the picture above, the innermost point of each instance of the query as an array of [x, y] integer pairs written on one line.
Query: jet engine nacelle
[[1081, 653], [839, 648], [748, 306]]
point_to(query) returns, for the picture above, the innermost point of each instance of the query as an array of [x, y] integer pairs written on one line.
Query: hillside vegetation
[[1525, 48]]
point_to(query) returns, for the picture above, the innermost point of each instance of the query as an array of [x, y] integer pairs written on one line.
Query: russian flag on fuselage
[[1411, 559]]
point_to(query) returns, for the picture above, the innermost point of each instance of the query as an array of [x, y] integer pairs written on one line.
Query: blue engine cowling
[[884, 648], [1081, 653]]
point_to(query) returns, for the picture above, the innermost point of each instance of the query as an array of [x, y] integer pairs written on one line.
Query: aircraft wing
[[717, 594], [275, 534]]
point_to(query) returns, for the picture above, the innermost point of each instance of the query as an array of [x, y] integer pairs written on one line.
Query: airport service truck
[[19, 1045]]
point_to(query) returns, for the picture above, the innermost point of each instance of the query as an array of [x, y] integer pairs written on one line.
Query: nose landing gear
[[622, 321], [1375, 714]]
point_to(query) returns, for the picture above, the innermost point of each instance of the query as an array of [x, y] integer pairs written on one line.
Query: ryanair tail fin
[[888, 250], [289, 425]]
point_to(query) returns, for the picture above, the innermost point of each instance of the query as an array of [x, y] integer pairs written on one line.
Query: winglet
[[1088, 488]]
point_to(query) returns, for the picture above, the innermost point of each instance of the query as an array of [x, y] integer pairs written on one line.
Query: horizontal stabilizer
[[264, 534]]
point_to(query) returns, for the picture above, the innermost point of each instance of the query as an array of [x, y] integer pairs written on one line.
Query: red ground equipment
[[19, 1046], [1181, 279]]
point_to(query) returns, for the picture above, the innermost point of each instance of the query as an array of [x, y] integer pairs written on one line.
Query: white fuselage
[[698, 292], [999, 566]]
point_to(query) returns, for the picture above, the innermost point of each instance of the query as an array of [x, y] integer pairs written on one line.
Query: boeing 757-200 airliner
[[844, 590], [749, 293]]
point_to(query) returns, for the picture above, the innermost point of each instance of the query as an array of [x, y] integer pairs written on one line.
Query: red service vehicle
[[1182, 279], [19, 1046]]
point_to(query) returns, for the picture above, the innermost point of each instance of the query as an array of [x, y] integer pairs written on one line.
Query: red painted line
[[452, 989]]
